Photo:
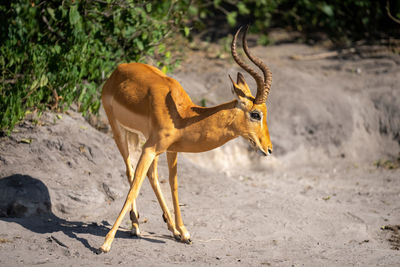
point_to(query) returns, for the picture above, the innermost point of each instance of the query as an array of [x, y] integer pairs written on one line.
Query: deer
[[139, 98]]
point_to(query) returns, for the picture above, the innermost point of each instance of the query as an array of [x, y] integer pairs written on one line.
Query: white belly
[[130, 120]]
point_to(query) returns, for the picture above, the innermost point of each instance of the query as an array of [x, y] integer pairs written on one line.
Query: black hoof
[[135, 235], [98, 251], [177, 237]]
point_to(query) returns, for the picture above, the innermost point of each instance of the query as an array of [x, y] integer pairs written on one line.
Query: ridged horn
[[262, 95], [253, 73]]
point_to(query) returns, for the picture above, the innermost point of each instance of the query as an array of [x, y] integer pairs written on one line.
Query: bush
[[53, 53], [340, 20]]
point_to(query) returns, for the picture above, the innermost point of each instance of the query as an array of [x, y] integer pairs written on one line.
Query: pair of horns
[[263, 85]]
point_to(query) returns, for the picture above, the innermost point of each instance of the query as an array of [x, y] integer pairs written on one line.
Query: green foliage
[[388, 163], [338, 19], [53, 53]]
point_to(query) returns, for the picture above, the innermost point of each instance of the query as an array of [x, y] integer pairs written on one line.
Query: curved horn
[[253, 73], [262, 95]]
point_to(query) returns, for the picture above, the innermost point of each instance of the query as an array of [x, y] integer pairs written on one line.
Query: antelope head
[[252, 124]]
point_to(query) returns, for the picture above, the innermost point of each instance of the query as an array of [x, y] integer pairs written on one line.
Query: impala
[[140, 98]]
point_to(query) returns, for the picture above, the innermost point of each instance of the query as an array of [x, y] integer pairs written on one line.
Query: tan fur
[[140, 98]]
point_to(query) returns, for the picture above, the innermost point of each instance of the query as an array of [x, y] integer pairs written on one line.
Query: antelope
[[140, 98]]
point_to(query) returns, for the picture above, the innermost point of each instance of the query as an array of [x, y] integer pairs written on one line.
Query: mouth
[[261, 152], [257, 148], [253, 143]]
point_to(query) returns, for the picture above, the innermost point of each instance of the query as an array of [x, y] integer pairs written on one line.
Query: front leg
[[144, 163], [172, 158]]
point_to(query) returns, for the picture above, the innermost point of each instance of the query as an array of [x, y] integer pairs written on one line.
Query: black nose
[[269, 150]]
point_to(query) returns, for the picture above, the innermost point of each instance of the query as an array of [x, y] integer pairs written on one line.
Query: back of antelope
[[140, 98]]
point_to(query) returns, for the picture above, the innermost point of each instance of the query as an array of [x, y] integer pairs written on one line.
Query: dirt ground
[[329, 195]]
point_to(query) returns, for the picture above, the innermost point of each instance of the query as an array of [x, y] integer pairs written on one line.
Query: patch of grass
[[4, 240], [388, 164]]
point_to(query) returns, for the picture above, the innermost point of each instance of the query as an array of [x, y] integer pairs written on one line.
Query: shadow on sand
[[25, 200]]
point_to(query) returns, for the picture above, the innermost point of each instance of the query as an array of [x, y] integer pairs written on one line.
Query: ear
[[242, 92], [241, 81]]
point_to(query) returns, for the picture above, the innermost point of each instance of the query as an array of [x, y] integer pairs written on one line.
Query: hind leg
[[152, 174], [123, 139], [132, 139]]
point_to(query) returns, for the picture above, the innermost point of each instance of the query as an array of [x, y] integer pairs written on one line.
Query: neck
[[205, 128], [221, 116]]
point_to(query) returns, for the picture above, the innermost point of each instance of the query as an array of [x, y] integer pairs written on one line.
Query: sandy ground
[[328, 197]]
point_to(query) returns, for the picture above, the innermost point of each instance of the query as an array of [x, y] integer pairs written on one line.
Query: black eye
[[255, 116]]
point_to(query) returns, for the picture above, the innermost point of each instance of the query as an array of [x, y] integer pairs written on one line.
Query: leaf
[[43, 81], [327, 9], [34, 85], [231, 18], [139, 44], [193, 10], [148, 7], [74, 16], [161, 48], [186, 30], [164, 69], [51, 13], [26, 140], [203, 14], [243, 10], [57, 49], [217, 3]]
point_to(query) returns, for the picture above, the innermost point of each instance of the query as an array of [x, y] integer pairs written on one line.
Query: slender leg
[[133, 140], [153, 178], [172, 158], [144, 163], [123, 138], [134, 215]]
